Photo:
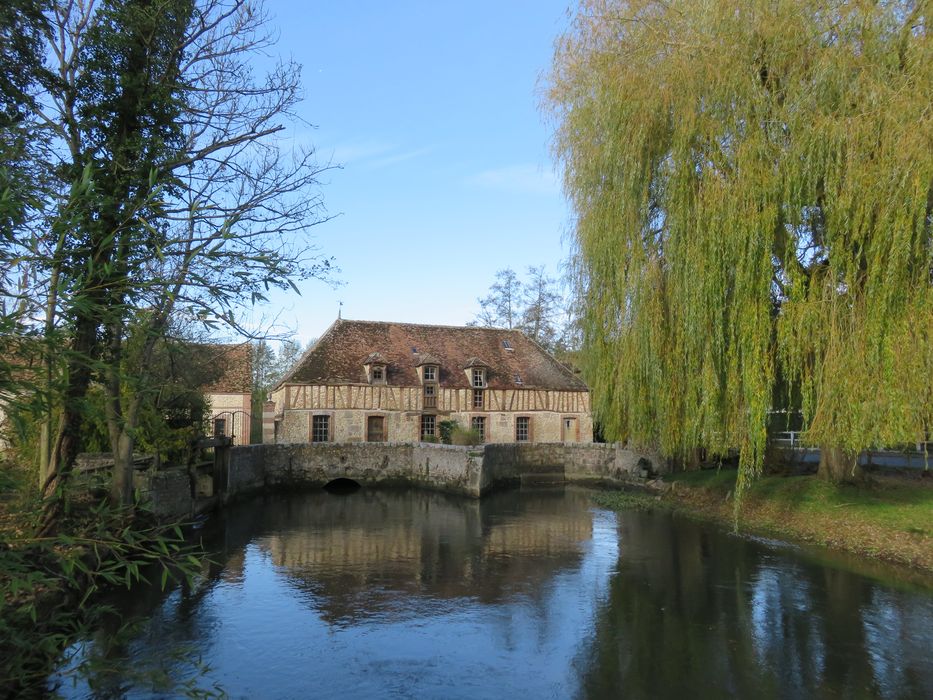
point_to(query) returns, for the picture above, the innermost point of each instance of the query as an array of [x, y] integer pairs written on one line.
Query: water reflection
[[697, 612], [526, 593], [355, 557]]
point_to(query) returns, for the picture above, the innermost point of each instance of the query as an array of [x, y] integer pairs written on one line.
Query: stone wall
[[441, 467], [468, 471], [245, 470], [168, 492], [592, 463], [465, 470]]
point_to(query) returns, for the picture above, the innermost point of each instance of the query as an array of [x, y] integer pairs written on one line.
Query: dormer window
[[430, 373], [375, 366], [377, 374], [475, 371]]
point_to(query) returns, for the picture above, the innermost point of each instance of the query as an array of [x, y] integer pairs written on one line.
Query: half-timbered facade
[[397, 382]]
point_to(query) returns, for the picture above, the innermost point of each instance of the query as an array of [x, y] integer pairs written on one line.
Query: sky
[[431, 110]]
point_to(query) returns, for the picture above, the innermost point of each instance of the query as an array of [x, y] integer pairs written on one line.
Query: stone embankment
[[468, 471]]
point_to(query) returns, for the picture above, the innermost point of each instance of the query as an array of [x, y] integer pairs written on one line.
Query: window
[[220, 427], [507, 345], [478, 423], [320, 429], [479, 378], [477, 398], [522, 429], [428, 426], [518, 379], [430, 373], [378, 374], [430, 395], [375, 429]]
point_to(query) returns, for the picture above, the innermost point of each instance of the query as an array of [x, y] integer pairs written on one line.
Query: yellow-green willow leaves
[[752, 185]]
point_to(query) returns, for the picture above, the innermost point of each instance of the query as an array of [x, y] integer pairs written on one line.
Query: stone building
[[397, 382], [228, 369]]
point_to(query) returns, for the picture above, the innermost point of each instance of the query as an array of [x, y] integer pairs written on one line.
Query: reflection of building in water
[[355, 554]]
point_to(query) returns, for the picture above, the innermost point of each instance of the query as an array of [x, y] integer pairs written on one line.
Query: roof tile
[[337, 358]]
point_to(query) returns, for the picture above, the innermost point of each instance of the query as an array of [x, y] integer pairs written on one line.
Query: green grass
[[904, 505], [627, 500]]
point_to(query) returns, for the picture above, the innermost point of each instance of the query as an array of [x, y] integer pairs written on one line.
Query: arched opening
[[342, 486]]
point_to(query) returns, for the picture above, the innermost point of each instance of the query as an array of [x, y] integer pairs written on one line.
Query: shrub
[[445, 427], [462, 436]]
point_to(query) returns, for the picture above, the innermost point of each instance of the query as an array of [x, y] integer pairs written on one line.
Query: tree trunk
[[840, 467], [121, 487], [691, 461], [68, 439]]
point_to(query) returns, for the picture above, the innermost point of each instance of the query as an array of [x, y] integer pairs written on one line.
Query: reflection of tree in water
[[356, 555], [747, 622]]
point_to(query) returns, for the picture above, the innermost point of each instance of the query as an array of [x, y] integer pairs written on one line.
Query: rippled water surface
[[525, 594]]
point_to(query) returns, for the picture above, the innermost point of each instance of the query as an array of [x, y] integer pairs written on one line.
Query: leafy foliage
[[753, 185], [48, 585], [166, 189], [445, 429]]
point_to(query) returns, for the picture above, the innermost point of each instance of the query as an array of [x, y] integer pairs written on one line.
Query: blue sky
[[432, 110]]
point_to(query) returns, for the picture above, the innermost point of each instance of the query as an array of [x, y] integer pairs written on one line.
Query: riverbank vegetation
[[752, 187], [890, 517], [145, 188], [49, 584]]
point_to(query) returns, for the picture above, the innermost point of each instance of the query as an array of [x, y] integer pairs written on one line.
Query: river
[[532, 593]]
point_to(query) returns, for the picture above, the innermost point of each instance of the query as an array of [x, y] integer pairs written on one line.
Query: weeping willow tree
[[752, 186]]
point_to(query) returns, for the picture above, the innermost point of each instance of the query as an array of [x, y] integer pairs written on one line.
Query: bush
[[445, 427], [462, 436], [48, 584]]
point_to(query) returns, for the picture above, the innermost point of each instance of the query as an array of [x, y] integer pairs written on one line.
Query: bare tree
[[501, 307], [541, 307], [205, 225], [534, 306]]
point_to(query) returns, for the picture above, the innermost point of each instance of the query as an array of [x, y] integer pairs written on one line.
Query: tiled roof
[[232, 365], [338, 357]]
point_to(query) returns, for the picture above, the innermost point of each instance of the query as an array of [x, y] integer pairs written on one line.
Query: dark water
[[526, 594]]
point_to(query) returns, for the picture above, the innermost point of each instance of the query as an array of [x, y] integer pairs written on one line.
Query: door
[[376, 429], [569, 430]]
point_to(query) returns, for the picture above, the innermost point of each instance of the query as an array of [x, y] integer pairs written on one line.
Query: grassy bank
[[890, 519]]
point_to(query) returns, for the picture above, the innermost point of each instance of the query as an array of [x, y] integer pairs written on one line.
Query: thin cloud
[[360, 152], [397, 158], [522, 179], [371, 155]]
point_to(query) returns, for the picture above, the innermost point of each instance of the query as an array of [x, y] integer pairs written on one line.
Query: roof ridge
[[431, 325]]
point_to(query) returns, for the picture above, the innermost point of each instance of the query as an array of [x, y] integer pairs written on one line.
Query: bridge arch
[[342, 485]]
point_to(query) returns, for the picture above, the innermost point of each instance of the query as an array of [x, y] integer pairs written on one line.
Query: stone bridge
[[470, 471]]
